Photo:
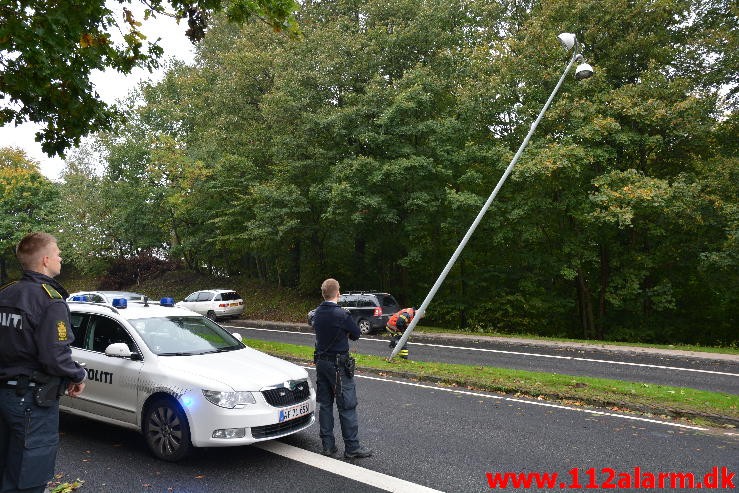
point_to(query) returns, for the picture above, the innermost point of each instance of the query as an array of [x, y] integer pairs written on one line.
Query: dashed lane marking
[[344, 469]]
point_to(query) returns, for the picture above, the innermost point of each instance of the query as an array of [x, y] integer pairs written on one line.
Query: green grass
[[709, 407]]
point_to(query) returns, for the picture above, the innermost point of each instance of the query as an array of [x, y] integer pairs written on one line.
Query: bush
[[127, 272]]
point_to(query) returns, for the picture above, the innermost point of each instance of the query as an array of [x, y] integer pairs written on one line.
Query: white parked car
[[105, 296], [214, 303], [182, 380]]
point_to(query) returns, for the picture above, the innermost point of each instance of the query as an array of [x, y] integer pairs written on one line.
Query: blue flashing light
[[167, 302], [120, 303], [80, 298]]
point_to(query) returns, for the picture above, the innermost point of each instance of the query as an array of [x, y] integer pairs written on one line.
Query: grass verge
[[698, 406], [594, 342]]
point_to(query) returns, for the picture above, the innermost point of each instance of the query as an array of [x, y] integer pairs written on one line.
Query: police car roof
[[133, 310]]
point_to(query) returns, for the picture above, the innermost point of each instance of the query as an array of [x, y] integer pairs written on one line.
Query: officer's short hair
[[30, 246], [329, 288]]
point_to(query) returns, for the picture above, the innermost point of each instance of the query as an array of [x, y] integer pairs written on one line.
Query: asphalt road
[[700, 372], [446, 439]]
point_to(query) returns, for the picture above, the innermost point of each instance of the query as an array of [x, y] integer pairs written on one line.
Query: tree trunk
[[463, 297], [259, 270], [604, 277], [585, 306]]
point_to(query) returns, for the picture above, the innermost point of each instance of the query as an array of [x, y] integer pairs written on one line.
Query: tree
[[27, 202], [49, 49], [365, 150]]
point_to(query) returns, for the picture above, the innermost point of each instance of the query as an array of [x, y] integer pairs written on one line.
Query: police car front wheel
[[166, 430]]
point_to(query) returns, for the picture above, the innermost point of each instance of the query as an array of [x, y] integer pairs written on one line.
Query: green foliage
[[49, 49], [27, 202], [364, 149]]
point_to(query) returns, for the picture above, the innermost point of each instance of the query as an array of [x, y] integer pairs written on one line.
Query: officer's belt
[[330, 356], [11, 384]]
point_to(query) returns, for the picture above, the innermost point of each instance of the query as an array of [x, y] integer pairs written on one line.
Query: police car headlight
[[229, 400]]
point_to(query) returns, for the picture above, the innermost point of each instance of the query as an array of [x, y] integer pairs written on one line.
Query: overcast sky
[[110, 84]]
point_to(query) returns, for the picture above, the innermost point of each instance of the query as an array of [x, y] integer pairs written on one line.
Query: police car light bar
[[120, 303], [80, 298], [166, 302]]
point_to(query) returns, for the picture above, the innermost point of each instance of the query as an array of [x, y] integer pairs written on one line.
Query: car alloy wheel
[[211, 315], [166, 430], [364, 326]]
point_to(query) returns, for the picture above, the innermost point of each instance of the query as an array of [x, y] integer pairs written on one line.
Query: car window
[[205, 296], [79, 324], [365, 302], [347, 300], [191, 297], [103, 332], [388, 300], [169, 336], [93, 297], [218, 298], [230, 296]]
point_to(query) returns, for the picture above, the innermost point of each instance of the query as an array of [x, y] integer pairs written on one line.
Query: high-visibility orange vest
[[405, 316]]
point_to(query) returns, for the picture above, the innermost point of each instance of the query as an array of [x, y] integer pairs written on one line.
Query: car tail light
[[222, 305], [378, 312]]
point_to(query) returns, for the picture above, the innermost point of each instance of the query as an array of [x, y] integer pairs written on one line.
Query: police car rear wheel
[[166, 430]]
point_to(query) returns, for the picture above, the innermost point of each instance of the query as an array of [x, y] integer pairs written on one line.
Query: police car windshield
[[184, 336]]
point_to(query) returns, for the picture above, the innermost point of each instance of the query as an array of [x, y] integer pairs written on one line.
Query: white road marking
[[344, 469], [533, 403], [574, 358], [519, 353]]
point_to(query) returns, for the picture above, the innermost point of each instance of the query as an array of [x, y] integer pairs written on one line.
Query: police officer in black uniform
[[335, 373], [36, 366]]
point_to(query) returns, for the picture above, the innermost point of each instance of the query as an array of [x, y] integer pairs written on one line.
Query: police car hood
[[243, 369]]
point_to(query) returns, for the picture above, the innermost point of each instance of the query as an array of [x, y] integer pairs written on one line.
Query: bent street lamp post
[[584, 70]]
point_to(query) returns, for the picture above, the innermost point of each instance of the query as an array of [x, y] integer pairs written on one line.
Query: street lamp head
[[583, 71], [568, 40]]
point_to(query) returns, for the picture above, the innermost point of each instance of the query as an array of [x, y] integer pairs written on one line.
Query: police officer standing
[[335, 373], [36, 366]]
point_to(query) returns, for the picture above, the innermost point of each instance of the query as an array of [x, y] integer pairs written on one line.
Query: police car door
[[111, 389]]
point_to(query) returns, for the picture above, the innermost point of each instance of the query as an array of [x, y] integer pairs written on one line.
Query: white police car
[[182, 380]]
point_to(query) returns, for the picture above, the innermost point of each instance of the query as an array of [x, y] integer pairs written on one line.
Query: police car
[[181, 379]]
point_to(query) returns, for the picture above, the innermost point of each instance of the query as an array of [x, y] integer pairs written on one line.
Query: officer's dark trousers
[[346, 402], [29, 438]]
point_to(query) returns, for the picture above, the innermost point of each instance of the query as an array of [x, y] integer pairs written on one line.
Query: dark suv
[[370, 310]]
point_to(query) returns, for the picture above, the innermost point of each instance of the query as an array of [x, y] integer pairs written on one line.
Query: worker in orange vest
[[396, 325]]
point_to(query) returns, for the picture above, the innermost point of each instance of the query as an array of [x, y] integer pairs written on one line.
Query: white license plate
[[294, 412]]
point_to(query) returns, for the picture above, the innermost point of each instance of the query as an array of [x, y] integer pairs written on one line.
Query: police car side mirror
[[237, 336], [120, 350]]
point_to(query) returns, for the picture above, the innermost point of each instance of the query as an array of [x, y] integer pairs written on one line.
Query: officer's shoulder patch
[[7, 284], [53, 293], [61, 330]]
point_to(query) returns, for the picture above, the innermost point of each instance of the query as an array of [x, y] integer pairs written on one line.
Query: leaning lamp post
[[583, 71]]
